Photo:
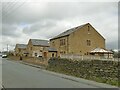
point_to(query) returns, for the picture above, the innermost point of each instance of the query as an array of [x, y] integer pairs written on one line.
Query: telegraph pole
[[7, 48]]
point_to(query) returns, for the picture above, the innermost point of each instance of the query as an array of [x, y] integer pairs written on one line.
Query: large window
[[88, 43], [62, 42]]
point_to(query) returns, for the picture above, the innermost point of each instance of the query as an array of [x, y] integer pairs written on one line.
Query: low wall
[[32, 60], [98, 70], [85, 57]]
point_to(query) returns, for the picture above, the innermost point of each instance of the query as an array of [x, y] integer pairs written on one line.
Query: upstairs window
[[88, 43], [53, 43], [62, 42], [88, 28]]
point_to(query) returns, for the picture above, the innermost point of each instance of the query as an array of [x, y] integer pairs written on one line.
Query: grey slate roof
[[52, 49], [40, 42], [23, 46], [69, 31]]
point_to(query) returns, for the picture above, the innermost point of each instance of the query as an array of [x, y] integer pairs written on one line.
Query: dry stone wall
[[98, 70]]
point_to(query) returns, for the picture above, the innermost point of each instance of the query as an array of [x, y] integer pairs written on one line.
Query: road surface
[[0, 72], [18, 75]]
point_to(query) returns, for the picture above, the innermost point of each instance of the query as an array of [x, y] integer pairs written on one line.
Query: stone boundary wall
[[97, 70]]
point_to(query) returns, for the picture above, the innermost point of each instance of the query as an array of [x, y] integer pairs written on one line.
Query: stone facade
[[20, 50], [50, 53], [35, 47], [79, 40]]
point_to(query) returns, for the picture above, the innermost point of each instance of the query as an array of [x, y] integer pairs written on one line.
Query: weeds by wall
[[97, 70]]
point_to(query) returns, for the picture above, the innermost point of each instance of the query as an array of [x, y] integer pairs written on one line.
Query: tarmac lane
[[0, 72], [18, 75]]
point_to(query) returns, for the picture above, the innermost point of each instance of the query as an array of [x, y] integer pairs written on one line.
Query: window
[[87, 53], [62, 42], [88, 42], [35, 54], [88, 28], [53, 43]]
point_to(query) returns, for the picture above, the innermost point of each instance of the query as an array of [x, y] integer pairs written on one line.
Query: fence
[[85, 57]]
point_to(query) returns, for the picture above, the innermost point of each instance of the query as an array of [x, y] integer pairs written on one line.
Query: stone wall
[[98, 70]]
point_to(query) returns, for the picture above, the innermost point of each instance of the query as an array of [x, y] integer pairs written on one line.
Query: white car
[[4, 56]]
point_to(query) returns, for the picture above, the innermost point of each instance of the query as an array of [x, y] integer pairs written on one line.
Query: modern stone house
[[78, 40], [20, 50], [35, 47]]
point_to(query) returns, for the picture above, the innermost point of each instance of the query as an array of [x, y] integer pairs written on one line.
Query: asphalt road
[[0, 73], [17, 75]]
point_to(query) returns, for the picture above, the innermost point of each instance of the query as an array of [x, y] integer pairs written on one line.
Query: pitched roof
[[40, 42], [50, 49], [100, 50], [69, 31], [23, 46]]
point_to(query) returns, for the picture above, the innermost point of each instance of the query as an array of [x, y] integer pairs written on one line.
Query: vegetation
[[100, 71], [116, 54]]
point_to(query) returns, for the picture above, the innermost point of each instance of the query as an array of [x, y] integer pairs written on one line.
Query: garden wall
[[97, 70]]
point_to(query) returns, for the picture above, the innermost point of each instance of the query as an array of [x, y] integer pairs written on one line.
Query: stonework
[[80, 41], [20, 50]]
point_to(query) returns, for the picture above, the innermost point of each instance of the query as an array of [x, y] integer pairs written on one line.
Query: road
[[0, 72], [18, 75]]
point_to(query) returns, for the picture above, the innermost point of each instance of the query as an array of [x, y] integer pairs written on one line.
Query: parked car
[[4, 56]]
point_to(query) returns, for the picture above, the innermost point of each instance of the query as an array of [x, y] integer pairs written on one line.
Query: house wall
[[19, 51], [76, 42], [62, 49], [33, 50], [49, 54]]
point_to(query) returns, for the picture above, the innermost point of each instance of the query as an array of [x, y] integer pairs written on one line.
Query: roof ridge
[[69, 31], [41, 42], [40, 39]]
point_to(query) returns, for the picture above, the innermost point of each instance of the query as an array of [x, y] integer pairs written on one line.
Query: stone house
[[35, 47], [78, 40], [20, 50], [50, 52]]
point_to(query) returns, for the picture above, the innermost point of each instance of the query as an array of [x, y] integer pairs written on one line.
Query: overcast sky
[[44, 20]]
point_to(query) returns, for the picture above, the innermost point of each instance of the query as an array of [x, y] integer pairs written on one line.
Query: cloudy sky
[[44, 20]]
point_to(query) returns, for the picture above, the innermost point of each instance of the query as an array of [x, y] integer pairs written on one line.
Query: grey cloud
[[45, 20], [54, 11], [112, 44], [40, 26], [10, 31]]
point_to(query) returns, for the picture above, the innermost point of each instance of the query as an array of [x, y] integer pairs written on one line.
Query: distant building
[[102, 53], [78, 40], [35, 47], [20, 49], [50, 52]]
